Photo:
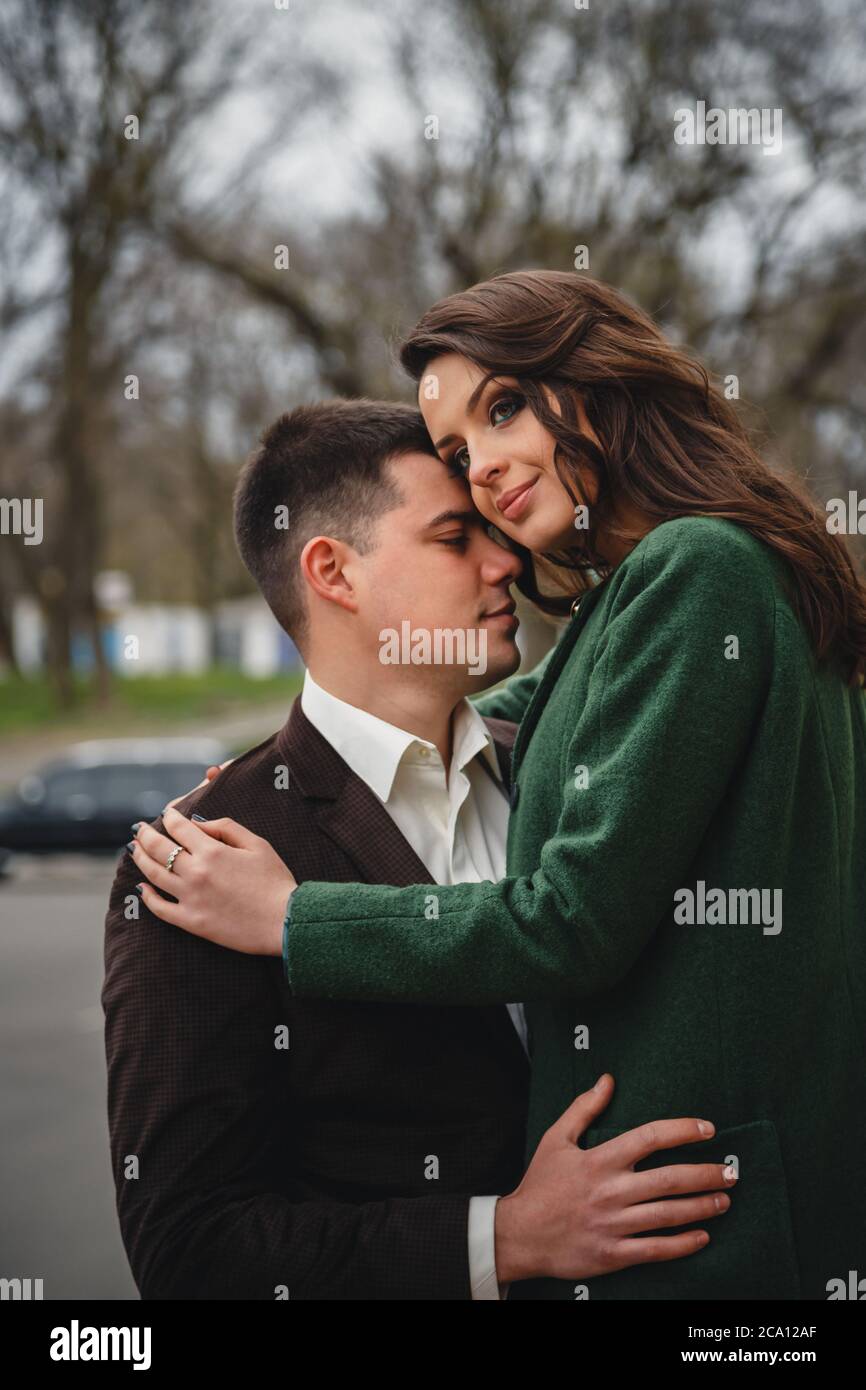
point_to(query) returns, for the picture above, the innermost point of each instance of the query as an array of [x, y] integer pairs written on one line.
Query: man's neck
[[421, 709]]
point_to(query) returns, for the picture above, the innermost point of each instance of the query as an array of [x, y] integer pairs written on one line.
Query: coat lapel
[[540, 696]]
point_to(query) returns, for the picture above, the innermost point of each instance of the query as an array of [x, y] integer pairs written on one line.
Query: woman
[[686, 896]]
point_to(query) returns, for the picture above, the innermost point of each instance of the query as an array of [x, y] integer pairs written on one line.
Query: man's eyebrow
[[468, 517], [470, 406]]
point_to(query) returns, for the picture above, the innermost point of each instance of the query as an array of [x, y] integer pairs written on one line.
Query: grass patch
[[155, 703]]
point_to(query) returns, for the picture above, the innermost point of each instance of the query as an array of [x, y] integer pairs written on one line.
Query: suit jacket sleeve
[[200, 1133], [665, 724]]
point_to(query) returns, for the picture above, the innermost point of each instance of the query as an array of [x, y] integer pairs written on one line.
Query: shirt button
[[425, 752], [515, 793]]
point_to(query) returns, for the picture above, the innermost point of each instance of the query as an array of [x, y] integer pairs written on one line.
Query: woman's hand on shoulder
[[231, 887]]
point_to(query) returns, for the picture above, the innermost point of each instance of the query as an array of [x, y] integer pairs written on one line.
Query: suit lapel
[[358, 822], [353, 817], [345, 808]]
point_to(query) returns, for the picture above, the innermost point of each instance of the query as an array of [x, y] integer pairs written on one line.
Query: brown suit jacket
[[339, 1166]]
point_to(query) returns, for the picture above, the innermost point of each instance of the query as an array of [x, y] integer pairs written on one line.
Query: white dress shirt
[[458, 827]]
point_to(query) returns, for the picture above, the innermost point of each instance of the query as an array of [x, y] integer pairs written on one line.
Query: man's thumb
[[584, 1109]]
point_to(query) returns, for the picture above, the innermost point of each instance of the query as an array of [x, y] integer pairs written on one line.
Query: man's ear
[[326, 567]]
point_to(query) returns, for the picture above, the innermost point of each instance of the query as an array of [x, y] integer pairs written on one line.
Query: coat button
[[515, 793]]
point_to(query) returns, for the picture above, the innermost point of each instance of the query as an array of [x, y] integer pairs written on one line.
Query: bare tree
[[555, 128], [99, 97], [527, 129]]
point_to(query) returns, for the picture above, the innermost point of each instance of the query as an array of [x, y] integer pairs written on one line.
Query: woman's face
[[507, 456]]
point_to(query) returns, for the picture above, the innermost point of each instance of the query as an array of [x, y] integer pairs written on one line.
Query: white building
[[154, 639]]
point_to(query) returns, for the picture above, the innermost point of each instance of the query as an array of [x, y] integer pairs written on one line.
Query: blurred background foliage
[[308, 128]]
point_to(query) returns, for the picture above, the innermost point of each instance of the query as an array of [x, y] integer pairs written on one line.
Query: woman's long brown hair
[[671, 445]]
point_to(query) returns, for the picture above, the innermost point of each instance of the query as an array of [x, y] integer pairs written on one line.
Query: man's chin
[[501, 664]]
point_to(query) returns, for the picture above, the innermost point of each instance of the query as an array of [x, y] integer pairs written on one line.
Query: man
[[266, 1148]]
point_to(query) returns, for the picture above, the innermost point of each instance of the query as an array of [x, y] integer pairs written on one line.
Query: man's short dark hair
[[323, 466]]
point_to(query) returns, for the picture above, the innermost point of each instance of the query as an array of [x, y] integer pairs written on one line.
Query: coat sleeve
[[663, 730], [200, 1127], [511, 699]]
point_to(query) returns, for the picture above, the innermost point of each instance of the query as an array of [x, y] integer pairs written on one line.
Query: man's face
[[435, 568]]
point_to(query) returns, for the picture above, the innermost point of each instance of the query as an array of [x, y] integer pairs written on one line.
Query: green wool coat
[[678, 748]]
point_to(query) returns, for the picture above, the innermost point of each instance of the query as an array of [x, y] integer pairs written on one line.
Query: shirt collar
[[374, 749], [471, 737]]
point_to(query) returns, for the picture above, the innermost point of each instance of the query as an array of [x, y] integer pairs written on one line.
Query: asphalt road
[[57, 1217]]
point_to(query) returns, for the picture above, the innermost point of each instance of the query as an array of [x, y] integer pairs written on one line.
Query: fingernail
[[702, 1238], [600, 1082], [705, 1127], [130, 844], [730, 1174], [722, 1202], [196, 816], [138, 888], [136, 824]]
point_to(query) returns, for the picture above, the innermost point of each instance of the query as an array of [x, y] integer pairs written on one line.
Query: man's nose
[[501, 565]]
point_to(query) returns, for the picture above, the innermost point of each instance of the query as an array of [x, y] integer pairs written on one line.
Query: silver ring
[[169, 863]]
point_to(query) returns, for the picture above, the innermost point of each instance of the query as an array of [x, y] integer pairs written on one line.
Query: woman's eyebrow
[[470, 405], [479, 392]]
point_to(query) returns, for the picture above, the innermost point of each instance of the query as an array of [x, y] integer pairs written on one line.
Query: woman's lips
[[519, 501]]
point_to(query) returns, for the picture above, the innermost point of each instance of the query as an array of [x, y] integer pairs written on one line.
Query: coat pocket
[[751, 1253]]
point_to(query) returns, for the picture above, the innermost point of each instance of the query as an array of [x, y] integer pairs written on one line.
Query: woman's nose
[[485, 467]]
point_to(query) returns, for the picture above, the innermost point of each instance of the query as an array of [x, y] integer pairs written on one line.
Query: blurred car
[[88, 798]]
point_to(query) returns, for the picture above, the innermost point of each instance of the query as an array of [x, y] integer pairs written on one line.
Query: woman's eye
[[504, 409]]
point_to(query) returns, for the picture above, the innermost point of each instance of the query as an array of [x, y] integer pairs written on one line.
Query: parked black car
[[88, 799]]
